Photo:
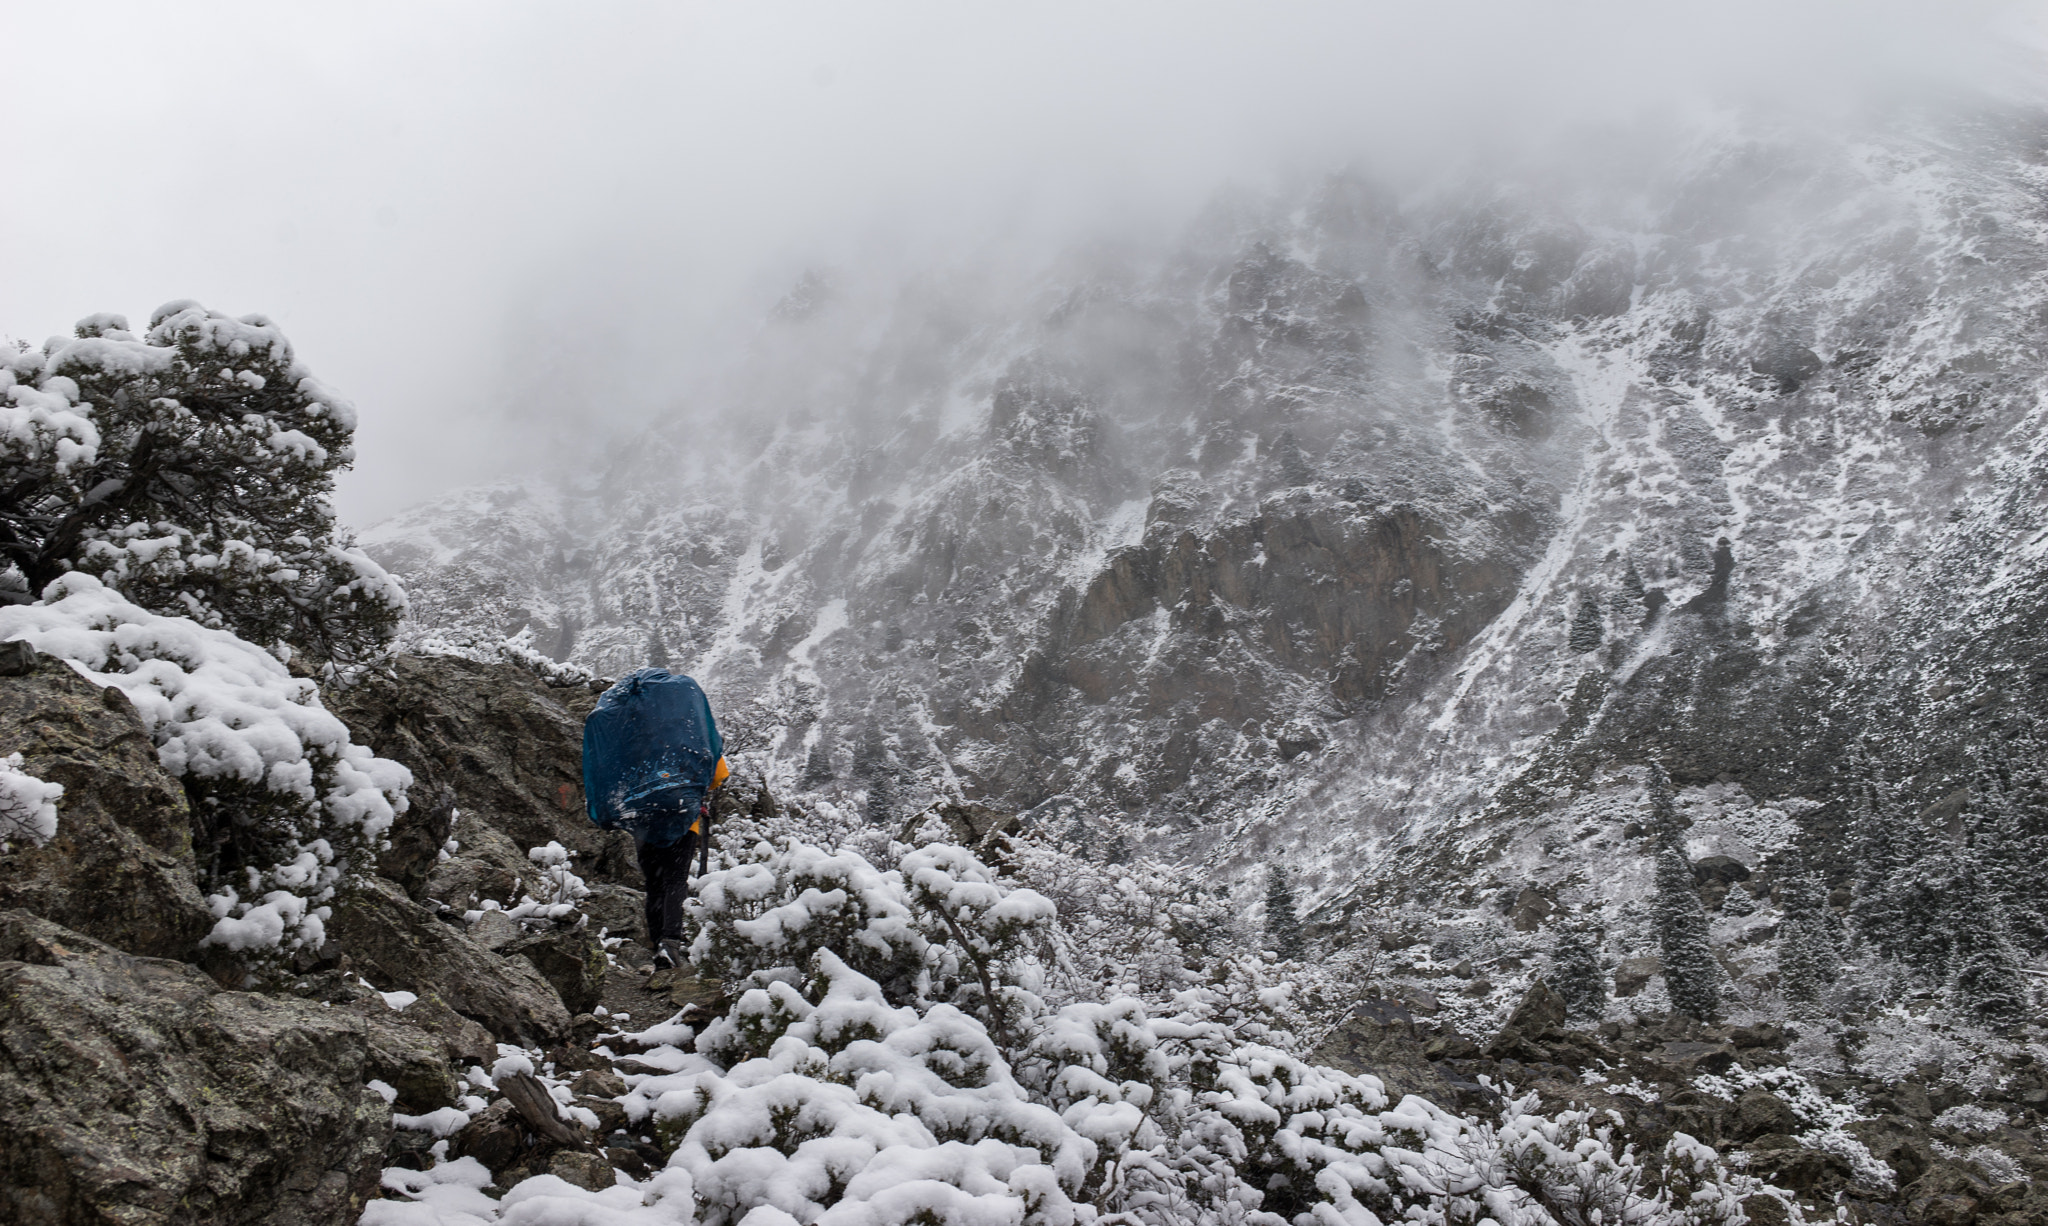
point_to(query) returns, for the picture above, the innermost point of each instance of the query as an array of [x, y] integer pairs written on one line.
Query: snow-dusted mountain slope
[[1369, 532]]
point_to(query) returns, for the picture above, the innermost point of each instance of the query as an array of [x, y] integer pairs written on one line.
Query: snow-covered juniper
[[188, 468]]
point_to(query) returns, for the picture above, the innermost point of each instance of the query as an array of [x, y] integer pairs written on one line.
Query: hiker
[[651, 758]]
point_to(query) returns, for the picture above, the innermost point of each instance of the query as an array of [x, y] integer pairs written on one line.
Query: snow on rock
[[228, 714], [28, 806]]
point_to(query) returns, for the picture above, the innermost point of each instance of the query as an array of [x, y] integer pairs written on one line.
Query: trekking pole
[[704, 837]]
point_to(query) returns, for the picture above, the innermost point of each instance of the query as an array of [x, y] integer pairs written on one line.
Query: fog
[[508, 230]]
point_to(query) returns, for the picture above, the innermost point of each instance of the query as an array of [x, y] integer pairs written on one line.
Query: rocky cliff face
[[1348, 520], [148, 1079]]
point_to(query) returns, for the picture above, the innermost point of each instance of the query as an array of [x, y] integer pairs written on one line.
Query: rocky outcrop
[[1320, 588], [399, 944], [1380, 1037], [570, 959], [121, 866], [503, 743], [137, 1091]]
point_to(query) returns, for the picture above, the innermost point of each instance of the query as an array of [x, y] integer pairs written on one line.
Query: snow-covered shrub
[[1132, 926], [1826, 1119], [938, 928], [28, 806], [286, 805], [1998, 1166], [558, 891], [189, 468], [827, 1095], [494, 649], [1969, 1117]]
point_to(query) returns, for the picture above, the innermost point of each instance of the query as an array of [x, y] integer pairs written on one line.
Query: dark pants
[[667, 870]]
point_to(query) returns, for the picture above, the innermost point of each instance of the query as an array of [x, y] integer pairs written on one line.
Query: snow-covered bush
[[189, 468], [859, 1077], [493, 649], [284, 803], [558, 891], [938, 928], [28, 806]]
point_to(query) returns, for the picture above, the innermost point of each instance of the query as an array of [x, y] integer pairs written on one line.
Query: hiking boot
[[664, 958]]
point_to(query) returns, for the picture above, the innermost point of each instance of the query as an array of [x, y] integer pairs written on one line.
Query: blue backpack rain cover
[[649, 750]]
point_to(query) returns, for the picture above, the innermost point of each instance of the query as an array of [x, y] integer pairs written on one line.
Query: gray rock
[[1759, 1113], [571, 960], [1632, 975], [494, 930], [1379, 1037], [121, 867], [397, 943], [588, 1171], [506, 743], [619, 910], [137, 1091]]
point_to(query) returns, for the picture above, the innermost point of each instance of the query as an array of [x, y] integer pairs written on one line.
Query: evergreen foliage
[[1691, 974], [1576, 974], [1587, 629], [1632, 583], [1883, 850], [1283, 921], [2009, 830], [189, 469], [1809, 958], [1665, 823], [1739, 902], [1986, 982]]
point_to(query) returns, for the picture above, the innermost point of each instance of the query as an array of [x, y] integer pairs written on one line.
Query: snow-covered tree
[[1809, 958], [1739, 902], [1664, 820], [1691, 974], [1986, 982], [1587, 629], [1283, 921], [1576, 974], [2009, 830], [189, 469]]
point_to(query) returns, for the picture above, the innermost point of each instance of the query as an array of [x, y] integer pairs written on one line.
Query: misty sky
[[494, 225]]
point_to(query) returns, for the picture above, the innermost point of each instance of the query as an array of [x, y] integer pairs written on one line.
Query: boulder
[[1632, 975], [571, 960], [504, 742], [399, 944], [1758, 1113], [617, 910], [1540, 1012], [1530, 908], [590, 1172], [494, 930], [137, 1091], [121, 867], [1723, 871], [1379, 1037]]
